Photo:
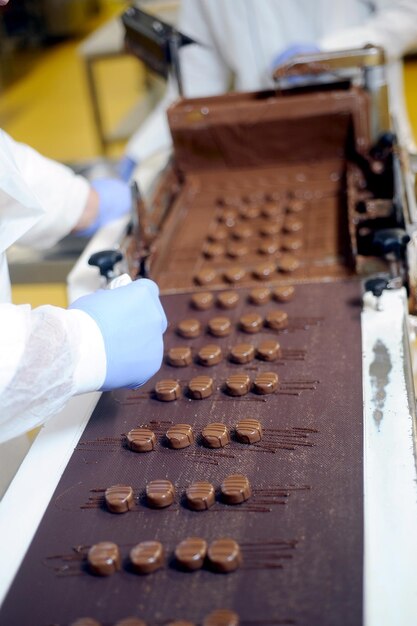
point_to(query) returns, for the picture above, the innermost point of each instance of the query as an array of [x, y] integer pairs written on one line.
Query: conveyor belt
[[301, 531]]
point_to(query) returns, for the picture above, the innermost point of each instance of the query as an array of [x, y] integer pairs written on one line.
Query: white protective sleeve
[[392, 25], [61, 192], [48, 354], [248, 34]]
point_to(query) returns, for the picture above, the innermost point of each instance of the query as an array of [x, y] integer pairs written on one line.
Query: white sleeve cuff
[[91, 365]]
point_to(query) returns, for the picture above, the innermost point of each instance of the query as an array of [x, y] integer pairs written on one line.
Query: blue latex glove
[[292, 51], [114, 201], [132, 322], [126, 167], [289, 53]]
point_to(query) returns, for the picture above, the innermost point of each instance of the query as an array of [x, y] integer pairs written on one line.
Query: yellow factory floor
[[49, 108]]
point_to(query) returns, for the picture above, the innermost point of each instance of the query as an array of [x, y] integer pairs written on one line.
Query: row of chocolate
[[212, 354], [285, 263], [204, 300], [221, 326], [202, 387], [215, 435], [200, 495], [191, 554]]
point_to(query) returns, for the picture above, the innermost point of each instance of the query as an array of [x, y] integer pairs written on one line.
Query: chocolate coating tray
[[263, 182], [226, 228], [300, 532]]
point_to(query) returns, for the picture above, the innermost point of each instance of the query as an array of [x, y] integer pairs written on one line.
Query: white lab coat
[[48, 354], [241, 38]]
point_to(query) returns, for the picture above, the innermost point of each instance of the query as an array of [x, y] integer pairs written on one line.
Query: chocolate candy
[[200, 495], [235, 489], [264, 271], [220, 326], [227, 216], [250, 212], [180, 436], [242, 353], [167, 390], [259, 295], [270, 229], [221, 617], [210, 355], [200, 387], [119, 498], [251, 323], [147, 557], [238, 384], [179, 356], [85, 621], [288, 263], [292, 224], [218, 234], [130, 621], [242, 231], [227, 299], [295, 206], [268, 350], [285, 293], [202, 301], [160, 493], [215, 435], [213, 250], [268, 246], [277, 319], [236, 249], [291, 244], [189, 328], [190, 553], [266, 382], [248, 430], [224, 555], [234, 274], [104, 558], [205, 276], [271, 210], [141, 439]]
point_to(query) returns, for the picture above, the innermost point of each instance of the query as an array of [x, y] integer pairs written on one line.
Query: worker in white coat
[[243, 40], [106, 340]]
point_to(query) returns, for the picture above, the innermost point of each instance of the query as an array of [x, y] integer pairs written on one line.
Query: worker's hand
[[132, 321], [126, 167], [114, 199], [293, 51]]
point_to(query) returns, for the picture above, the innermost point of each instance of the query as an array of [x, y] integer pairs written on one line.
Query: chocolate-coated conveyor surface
[[300, 533]]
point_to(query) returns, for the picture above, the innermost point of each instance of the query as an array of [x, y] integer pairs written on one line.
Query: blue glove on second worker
[[114, 201], [132, 321], [126, 167], [293, 51]]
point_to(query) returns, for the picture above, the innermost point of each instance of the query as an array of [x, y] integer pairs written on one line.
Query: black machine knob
[[376, 285], [384, 146], [105, 260], [391, 242]]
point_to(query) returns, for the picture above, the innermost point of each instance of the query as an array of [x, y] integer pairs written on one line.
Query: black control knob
[[105, 260], [391, 242], [376, 285], [384, 146]]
